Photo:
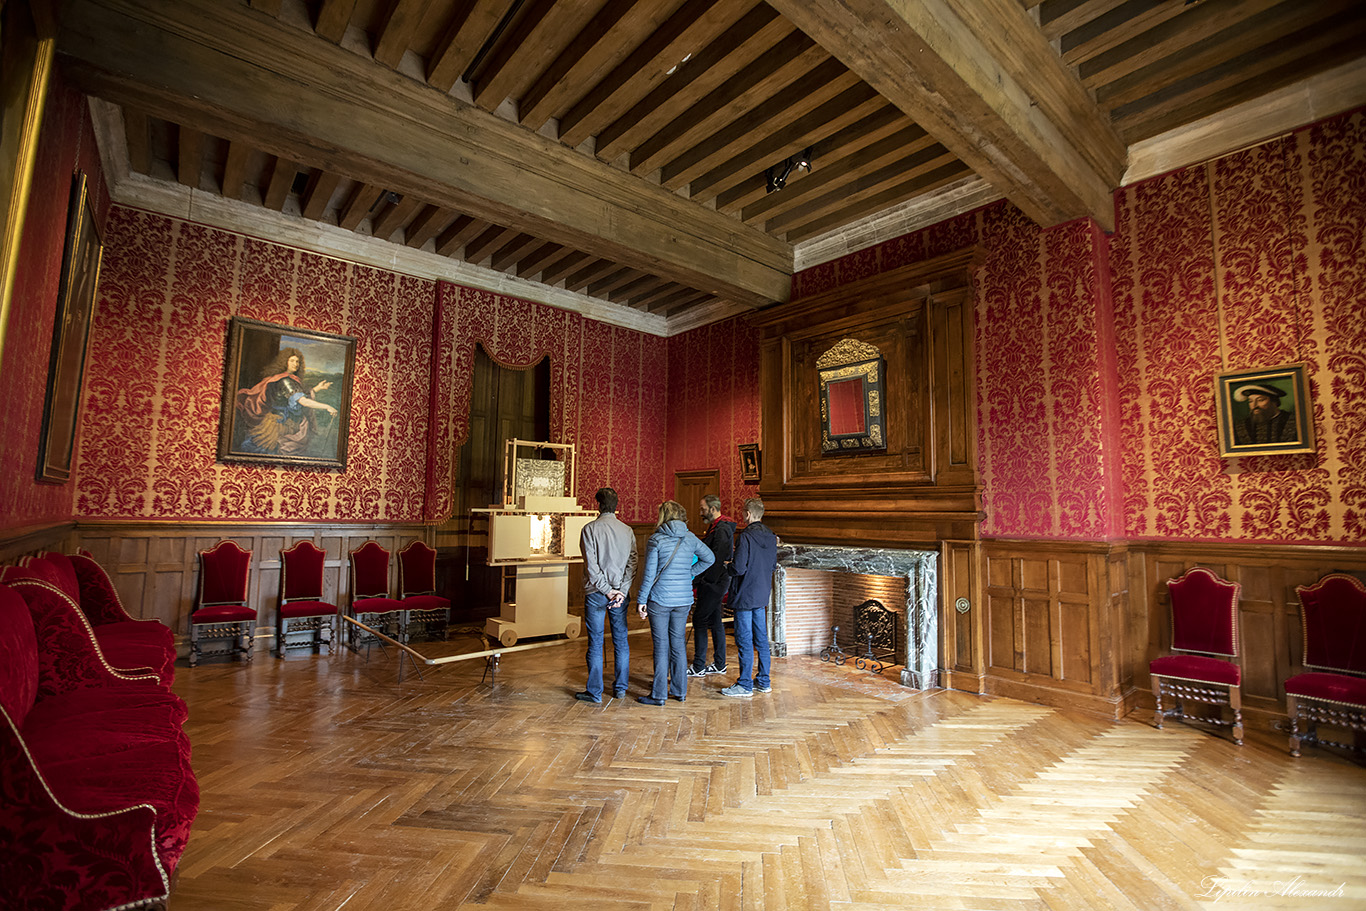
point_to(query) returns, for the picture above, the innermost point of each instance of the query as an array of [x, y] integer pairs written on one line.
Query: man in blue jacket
[[756, 557]]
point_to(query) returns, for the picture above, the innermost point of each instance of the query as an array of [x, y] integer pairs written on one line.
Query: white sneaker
[[738, 691]]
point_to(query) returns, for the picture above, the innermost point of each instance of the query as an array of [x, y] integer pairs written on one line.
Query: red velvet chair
[[1204, 624], [1333, 690], [426, 611], [221, 613], [302, 608], [370, 601]]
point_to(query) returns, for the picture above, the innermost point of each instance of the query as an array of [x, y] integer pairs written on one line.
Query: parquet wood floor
[[327, 784]]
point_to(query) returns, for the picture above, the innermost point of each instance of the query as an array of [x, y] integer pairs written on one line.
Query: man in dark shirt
[[711, 588], [756, 557]]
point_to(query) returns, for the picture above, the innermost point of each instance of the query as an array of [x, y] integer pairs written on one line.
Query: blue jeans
[[595, 614], [751, 639], [668, 626]]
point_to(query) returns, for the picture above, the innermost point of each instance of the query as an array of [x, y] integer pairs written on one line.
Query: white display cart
[[534, 537]]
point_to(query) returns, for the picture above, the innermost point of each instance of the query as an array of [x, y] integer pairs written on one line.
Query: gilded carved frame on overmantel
[[851, 390]]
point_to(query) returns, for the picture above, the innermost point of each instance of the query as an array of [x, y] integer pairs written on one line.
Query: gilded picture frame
[[749, 461], [80, 279], [1264, 411], [286, 395], [852, 401]]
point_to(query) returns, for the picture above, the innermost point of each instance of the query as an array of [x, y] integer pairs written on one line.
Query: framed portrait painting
[[1264, 411], [70, 335], [749, 461], [286, 395]]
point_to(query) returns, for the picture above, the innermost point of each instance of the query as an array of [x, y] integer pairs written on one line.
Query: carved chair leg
[[1157, 695], [1235, 701], [1293, 708]]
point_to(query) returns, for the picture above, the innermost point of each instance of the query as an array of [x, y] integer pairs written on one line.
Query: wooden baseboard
[[1113, 708]]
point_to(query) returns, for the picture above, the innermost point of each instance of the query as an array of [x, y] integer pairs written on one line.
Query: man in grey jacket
[[609, 565]]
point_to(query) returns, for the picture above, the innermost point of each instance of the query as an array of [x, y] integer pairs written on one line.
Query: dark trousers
[[708, 620]]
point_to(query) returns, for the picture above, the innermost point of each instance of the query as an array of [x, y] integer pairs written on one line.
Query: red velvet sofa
[[97, 795]]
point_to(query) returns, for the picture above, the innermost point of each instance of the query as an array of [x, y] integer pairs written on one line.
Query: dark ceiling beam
[[232, 73], [981, 78]]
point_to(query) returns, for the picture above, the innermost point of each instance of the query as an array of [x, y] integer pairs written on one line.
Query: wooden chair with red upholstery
[[1205, 637], [427, 612], [302, 608], [221, 613], [370, 601], [1332, 691]]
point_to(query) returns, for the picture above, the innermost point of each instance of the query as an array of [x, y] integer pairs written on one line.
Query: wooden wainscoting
[[155, 566], [1268, 615], [1074, 624], [1053, 630], [33, 540]]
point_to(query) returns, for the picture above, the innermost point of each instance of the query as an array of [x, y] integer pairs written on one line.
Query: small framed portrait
[[749, 461], [286, 395], [1264, 411]]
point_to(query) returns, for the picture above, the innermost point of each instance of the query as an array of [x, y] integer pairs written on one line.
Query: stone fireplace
[[905, 581]]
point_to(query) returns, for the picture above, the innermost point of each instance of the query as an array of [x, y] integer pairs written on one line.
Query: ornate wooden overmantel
[[923, 488]]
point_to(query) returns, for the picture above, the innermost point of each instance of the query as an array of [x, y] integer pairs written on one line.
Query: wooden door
[[689, 489]]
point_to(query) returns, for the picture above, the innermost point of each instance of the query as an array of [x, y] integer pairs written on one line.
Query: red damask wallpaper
[[1253, 260], [66, 143], [151, 410], [152, 404], [714, 406], [1096, 355], [609, 391]]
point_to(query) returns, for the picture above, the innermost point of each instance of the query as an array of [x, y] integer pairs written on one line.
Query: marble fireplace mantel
[[918, 567]]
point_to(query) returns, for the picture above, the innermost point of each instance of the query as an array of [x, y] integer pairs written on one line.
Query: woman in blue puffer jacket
[[673, 556]]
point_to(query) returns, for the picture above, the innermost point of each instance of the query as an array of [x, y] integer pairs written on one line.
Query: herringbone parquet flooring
[[327, 784]]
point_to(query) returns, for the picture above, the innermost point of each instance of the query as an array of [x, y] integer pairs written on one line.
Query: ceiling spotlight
[[775, 177]]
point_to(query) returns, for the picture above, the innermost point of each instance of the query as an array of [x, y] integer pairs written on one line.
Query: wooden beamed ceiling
[[623, 149]]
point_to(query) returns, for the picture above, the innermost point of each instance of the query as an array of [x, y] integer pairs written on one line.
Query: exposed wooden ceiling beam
[[235, 169], [982, 79], [321, 186], [428, 223], [281, 179], [457, 234], [239, 75], [695, 24], [395, 216], [333, 18], [399, 28], [189, 157], [362, 200], [463, 38]]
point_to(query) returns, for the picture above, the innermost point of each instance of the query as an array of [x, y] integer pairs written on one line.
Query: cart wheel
[[571, 631], [508, 638]]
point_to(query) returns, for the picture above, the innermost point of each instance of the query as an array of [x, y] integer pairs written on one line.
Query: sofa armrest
[[52, 856], [99, 599], [68, 655]]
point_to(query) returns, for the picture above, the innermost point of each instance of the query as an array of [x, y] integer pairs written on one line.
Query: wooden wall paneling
[[923, 488], [1268, 616], [1052, 619], [954, 388], [155, 567], [961, 633]]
